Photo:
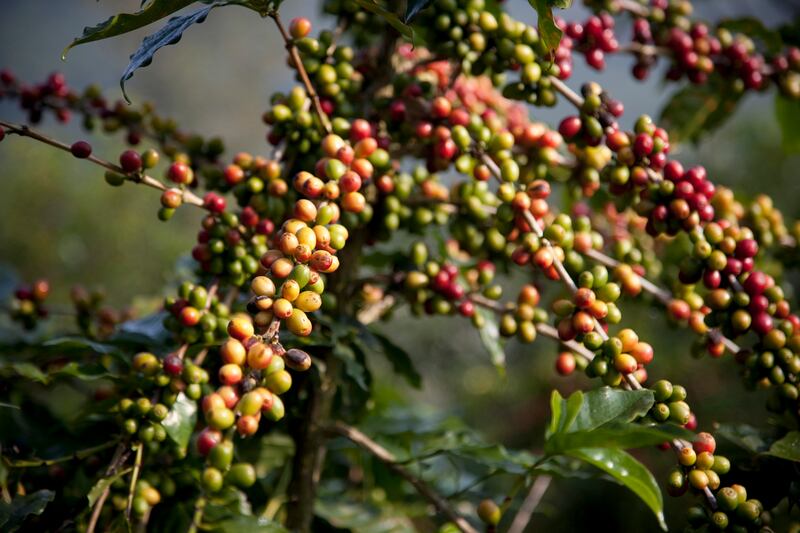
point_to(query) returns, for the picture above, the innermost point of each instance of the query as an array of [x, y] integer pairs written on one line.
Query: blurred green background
[[59, 220]]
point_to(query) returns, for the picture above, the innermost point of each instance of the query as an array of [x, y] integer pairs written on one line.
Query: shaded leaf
[[490, 337], [149, 331], [79, 344], [240, 523], [180, 420], [102, 483], [363, 517], [171, 33], [413, 7], [787, 448], [13, 514], [126, 22], [400, 360], [29, 371], [352, 366], [755, 29], [746, 437], [390, 17], [629, 472], [698, 109], [787, 113]]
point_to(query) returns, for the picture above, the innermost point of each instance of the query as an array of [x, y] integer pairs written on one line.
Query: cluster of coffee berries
[[222, 471], [291, 281], [27, 305], [94, 319], [228, 248], [594, 38], [257, 184], [330, 67], [195, 315]]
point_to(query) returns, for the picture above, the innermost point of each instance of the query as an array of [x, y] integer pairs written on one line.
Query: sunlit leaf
[[180, 420]]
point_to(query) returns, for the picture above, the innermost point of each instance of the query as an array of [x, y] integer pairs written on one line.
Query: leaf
[[400, 360], [751, 439], [618, 435], [29, 371], [171, 33], [391, 18], [413, 7], [604, 405], [754, 28], [180, 420], [79, 344], [549, 31], [563, 412], [490, 337], [788, 114], [126, 22], [256, 524], [698, 109], [13, 514], [149, 331], [628, 472], [363, 517], [787, 448], [352, 367], [102, 484]]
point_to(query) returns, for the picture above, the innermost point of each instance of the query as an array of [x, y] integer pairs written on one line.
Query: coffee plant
[[403, 170]]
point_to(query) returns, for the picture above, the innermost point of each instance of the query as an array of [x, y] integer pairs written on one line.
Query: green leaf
[[628, 472], [413, 7], [751, 439], [29, 371], [126, 22], [549, 32], [238, 523], [400, 360], [352, 367], [698, 109], [788, 114], [363, 517], [148, 331], [102, 483], [787, 448], [604, 405], [79, 344], [13, 514], [615, 435], [754, 28], [180, 420], [490, 337], [171, 33], [391, 18]]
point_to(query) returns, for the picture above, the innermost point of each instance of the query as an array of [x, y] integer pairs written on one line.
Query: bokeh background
[[59, 220]]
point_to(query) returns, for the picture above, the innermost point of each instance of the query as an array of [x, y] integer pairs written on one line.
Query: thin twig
[[364, 442], [530, 503], [119, 458], [143, 179], [77, 456]]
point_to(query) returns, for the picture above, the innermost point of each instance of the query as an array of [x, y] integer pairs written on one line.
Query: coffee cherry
[[180, 173], [220, 418], [240, 328], [704, 442], [221, 455], [207, 440], [212, 479], [130, 161], [565, 363], [242, 475], [173, 365], [489, 512], [230, 374], [81, 149]]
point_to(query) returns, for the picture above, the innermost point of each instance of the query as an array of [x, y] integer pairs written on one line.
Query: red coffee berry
[[81, 149], [130, 161]]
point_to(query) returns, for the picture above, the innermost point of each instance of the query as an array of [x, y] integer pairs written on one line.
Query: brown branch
[[381, 453], [143, 179], [298, 63], [120, 455], [529, 505]]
